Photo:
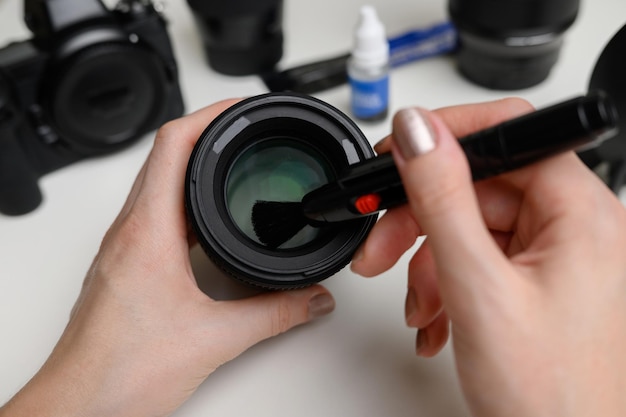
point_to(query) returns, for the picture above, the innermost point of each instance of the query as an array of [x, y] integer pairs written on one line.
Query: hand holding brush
[[374, 185]]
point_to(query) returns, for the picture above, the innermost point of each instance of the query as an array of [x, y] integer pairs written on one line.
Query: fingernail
[[421, 340], [320, 305], [413, 133], [410, 306]]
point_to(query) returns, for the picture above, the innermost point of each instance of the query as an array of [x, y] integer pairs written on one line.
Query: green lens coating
[[278, 169]]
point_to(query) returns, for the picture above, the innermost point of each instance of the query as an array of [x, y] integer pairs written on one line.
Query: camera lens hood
[[269, 146]]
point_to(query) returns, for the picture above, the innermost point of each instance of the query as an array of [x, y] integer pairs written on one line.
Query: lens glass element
[[276, 169]]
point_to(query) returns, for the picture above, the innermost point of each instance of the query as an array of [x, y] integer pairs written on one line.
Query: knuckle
[[439, 197], [167, 131], [281, 318]]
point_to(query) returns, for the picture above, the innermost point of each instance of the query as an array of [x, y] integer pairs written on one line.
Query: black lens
[[241, 37], [510, 44], [274, 147], [106, 96]]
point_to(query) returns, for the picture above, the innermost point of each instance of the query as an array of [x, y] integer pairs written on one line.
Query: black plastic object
[[309, 78], [609, 76], [278, 145], [241, 37], [88, 83], [513, 44]]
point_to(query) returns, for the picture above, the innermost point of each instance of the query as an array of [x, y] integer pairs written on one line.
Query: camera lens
[[273, 147], [106, 95], [241, 37], [512, 44]]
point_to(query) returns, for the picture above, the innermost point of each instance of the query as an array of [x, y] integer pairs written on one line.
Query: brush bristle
[[275, 222]]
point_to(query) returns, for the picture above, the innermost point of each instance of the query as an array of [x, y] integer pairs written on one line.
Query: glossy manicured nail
[[413, 133]]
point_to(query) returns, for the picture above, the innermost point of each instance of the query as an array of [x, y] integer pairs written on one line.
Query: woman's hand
[[142, 336], [529, 268]]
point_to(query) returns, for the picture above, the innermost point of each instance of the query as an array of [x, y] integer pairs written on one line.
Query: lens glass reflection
[[279, 169]]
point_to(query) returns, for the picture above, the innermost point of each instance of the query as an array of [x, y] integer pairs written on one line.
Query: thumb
[[257, 318], [438, 183]]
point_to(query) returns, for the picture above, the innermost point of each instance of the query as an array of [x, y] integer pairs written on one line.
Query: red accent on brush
[[367, 203]]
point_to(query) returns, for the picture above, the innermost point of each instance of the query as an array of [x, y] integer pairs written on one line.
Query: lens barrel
[[318, 141], [241, 37]]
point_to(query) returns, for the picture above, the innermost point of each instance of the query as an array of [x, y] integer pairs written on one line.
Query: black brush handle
[[538, 135], [569, 125]]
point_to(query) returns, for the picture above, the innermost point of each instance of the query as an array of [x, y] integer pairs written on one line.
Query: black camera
[[91, 81]]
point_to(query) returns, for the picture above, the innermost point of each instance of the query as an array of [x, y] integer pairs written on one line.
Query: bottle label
[[369, 98]]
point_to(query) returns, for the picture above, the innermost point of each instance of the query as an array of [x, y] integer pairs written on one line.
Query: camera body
[[91, 81]]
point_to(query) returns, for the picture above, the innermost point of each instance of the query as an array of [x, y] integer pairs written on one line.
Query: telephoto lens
[[513, 44], [241, 37], [273, 147]]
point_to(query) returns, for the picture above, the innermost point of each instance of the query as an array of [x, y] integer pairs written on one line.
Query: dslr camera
[[91, 81]]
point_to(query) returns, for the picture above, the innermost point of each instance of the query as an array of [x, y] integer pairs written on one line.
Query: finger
[[499, 200], [132, 195], [167, 163], [469, 118], [432, 338], [251, 320], [423, 302], [396, 231], [465, 119], [391, 236], [548, 189], [384, 145], [437, 179]]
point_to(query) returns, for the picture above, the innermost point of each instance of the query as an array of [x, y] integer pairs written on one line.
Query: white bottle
[[368, 68]]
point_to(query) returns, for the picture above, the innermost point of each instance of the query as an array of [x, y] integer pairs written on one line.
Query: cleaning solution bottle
[[368, 68]]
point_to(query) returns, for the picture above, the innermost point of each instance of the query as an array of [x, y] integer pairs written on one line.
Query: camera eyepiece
[[277, 146]]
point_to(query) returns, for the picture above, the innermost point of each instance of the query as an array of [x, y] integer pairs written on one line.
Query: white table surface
[[360, 360]]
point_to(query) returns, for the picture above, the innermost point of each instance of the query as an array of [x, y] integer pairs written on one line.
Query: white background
[[360, 360]]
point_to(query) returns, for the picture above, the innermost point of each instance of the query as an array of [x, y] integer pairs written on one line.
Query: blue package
[[419, 44]]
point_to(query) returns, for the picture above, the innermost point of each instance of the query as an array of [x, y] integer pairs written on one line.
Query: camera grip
[[19, 192]]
